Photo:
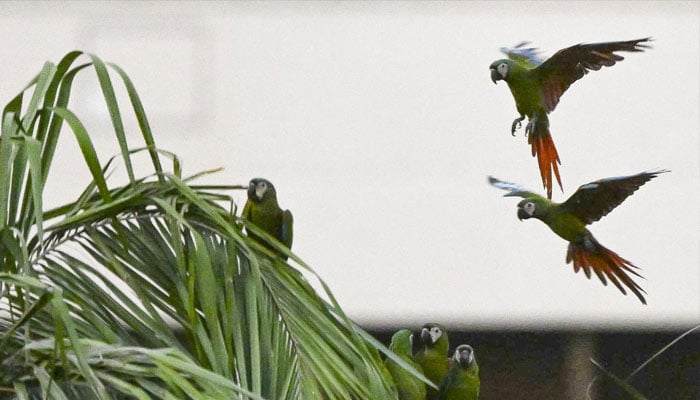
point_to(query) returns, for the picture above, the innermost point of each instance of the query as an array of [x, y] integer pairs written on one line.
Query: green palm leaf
[[150, 290]]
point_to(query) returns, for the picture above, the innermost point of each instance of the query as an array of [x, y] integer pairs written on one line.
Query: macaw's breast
[[566, 225], [527, 94], [269, 219], [435, 367]]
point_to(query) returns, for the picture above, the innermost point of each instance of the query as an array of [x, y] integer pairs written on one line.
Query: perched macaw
[[537, 85], [408, 386], [432, 355], [262, 209], [462, 380], [588, 204]]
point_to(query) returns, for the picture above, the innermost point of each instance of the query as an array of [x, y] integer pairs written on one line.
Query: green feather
[[588, 204], [462, 380], [432, 355], [408, 386], [538, 85], [262, 209]]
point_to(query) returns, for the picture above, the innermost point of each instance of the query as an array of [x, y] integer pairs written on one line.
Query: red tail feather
[[547, 157], [591, 255]]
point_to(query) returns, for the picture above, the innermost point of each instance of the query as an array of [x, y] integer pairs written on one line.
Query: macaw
[[588, 204], [262, 209], [432, 355], [537, 85], [408, 386], [462, 380]]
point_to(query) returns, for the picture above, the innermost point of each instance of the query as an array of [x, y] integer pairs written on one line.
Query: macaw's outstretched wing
[[568, 65], [526, 56], [595, 200], [514, 190]]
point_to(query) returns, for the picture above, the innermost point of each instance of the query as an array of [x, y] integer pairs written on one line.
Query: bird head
[[464, 355], [499, 70], [402, 342], [530, 207], [432, 333], [260, 189]]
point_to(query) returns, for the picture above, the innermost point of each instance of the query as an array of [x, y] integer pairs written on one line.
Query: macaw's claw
[[530, 127], [517, 123]]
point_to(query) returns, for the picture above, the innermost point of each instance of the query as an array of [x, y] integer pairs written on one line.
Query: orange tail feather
[[547, 156], [591, 255]]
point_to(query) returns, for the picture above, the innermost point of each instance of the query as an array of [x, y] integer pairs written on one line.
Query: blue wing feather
[[514, 190], [526, 56]]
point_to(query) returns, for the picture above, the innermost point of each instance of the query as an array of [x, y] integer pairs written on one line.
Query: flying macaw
[[262, 209], [432, 355], [537, 85], [588, 204], [408, 386], [462, 380]]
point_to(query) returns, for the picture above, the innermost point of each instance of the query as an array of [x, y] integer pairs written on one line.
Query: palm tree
[[150, 289]]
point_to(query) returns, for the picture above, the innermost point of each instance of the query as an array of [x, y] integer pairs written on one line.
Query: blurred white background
[[378, 124]]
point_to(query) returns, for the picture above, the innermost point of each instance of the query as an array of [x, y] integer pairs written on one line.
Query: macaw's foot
[[530, 127], [516, 125]]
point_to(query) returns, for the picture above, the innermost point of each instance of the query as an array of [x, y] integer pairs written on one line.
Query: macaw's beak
[[466, 357], [251, 191], [425, 336], [495, 76], [522, 214]]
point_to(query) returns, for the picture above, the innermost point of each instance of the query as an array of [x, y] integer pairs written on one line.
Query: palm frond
[[150, 289]]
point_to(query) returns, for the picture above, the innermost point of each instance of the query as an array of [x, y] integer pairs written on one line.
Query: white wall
[[378, 123]]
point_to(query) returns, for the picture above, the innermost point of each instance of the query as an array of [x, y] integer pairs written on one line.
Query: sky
[[378, 124]]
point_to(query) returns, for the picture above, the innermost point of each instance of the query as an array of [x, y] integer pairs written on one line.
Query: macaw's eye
[[260, 189], [502, 69], [436, 332], [530, 208]]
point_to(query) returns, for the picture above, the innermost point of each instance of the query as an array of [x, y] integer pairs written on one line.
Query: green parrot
[[462, 380], [432, 355], [408, 386], [537, 85], [262, 209], [588, 204]]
